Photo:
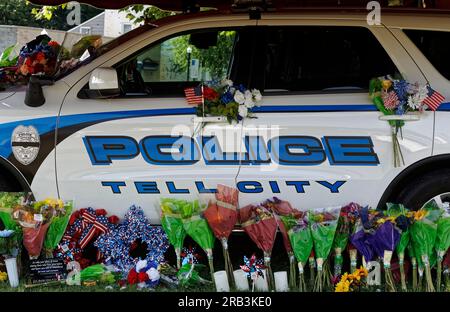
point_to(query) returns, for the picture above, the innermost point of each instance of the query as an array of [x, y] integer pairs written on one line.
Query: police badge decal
[[25, 144]]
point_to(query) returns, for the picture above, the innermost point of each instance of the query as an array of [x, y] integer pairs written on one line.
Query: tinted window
[[316, 58], [435, 45], [167, 67]]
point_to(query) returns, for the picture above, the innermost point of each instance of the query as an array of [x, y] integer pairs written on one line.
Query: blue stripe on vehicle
[[47, 124]]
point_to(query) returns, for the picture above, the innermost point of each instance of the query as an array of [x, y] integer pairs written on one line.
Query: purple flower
[[401, 89]]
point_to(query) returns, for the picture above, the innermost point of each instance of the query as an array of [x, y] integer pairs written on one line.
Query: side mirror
[[103, 84]]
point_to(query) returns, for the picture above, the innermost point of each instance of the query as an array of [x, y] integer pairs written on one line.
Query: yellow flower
[[342, 286], [3, 276], [420, 214], [386, 84]]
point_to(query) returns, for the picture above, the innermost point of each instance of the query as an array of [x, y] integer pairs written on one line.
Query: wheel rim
[[439, 200]]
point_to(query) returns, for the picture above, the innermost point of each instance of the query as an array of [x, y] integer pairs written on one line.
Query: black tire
[[5, 186], [420, 190]]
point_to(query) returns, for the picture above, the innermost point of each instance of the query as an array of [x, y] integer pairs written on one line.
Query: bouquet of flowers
[[260, 224], [35, 219], [172, 223], [144, 274], [403, 221], [38, 57], [58, 223], [222, 217], [442, 240], [282, 208], [398, 97], [352, 282], [347, 219], [423, 234], [383, 242], [225, 99], [323, 224], [7, 67], [8, 202], [188, 275], [197, 228], [301, 241]]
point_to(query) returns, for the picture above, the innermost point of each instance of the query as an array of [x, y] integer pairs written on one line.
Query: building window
[[85, 30], [126, 27]]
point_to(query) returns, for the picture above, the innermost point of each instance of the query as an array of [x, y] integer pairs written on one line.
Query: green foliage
[[5, 59], [215, 59], [23, 13], [139, 13]]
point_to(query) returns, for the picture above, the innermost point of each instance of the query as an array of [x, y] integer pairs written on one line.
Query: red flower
[[132, 277], [122, 283], [113, 219], [143, 277], [39, 68], [100, 212], [40, 57], [53, 43], [210, 94], [82, 210]]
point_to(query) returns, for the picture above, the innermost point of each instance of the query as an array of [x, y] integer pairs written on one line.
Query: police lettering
[[284, 150]]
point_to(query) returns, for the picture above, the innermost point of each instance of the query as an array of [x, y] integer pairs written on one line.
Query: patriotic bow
[[92, 225], [252, 266]]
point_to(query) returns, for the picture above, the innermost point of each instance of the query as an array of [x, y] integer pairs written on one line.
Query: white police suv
[[115, 131]]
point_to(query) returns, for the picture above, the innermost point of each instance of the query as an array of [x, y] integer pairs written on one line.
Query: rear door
[[317, 139]]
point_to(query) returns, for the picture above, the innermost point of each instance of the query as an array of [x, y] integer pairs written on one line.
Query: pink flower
[[390, 100]]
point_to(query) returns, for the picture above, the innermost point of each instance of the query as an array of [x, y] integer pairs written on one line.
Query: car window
[[167, 67], [435, 46], [320, 59]]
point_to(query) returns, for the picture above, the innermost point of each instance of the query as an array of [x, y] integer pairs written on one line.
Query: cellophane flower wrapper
[[282, 208], [261, 226], [347, 217], [442, 242], [383, 242], [172, 223], [423, 234], [323, 225], [8, 201], [301, 241], [197, 227], [58, 225], [222, 216]]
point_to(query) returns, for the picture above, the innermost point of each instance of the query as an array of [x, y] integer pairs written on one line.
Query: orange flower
[[40, 57], [53, 43]]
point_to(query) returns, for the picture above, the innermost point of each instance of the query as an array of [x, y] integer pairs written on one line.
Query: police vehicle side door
[[139, 147], [317, 139]]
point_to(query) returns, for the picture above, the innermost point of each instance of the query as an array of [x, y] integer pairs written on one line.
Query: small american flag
[[434, 99], [194, 96]]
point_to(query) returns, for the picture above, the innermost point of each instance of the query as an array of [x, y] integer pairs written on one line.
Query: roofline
[[89, 20]]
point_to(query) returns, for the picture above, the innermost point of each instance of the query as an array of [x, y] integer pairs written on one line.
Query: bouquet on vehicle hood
[[323, 224], [222, 217], [197, 228], [442, 240], [347, 219], [260, 224], [423, 234], [172, 223], [283, 209], [301, 241], [397, 97]]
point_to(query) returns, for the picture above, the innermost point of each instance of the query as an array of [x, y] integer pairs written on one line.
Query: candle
[[241, 281], [261, 283], [281, 281]]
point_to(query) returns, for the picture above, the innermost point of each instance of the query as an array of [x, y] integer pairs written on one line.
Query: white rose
[[153, 274], [249, 102], [226, 82], [239, 97], [140, 265], [256, 95], [243, 111]]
